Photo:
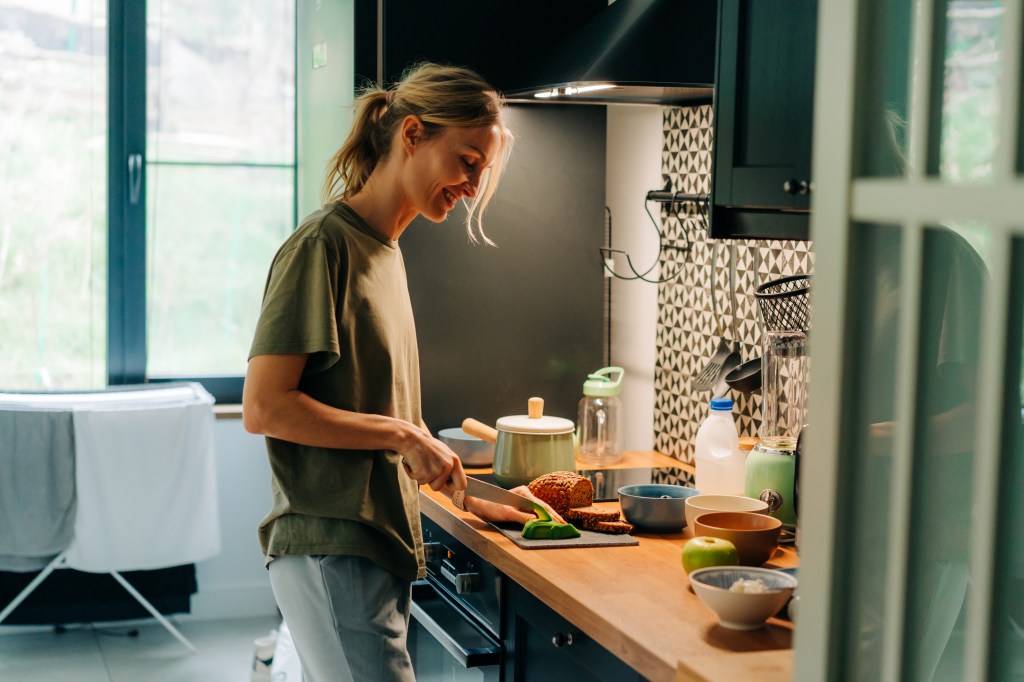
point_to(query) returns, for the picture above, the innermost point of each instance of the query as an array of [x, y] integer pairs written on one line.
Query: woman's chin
[[437, 216]]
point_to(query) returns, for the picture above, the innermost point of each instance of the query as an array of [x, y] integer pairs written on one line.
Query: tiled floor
[[105, 654]]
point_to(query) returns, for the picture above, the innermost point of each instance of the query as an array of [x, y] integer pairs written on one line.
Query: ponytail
[[440, 96]]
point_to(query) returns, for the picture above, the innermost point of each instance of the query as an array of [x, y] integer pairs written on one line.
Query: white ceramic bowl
[[742, 610], [701, 504]]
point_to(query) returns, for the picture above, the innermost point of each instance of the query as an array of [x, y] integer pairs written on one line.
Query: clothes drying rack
[[60, 561], [143, 467]]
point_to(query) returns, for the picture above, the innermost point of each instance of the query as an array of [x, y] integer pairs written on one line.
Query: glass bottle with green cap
[[600, 418]]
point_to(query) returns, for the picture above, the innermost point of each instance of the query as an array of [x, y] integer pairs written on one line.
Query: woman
[[333, 377]]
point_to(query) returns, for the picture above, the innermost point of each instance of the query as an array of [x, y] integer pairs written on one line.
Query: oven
[[454, 632]]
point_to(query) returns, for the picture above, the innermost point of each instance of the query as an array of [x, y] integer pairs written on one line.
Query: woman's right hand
[[429, 461]]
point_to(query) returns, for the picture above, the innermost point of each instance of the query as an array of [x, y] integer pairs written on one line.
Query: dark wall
[[499, 325]]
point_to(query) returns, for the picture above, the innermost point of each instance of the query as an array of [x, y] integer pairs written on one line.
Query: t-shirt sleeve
[[299, 313]]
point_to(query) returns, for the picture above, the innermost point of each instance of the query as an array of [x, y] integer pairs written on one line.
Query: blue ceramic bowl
[[657, 507]]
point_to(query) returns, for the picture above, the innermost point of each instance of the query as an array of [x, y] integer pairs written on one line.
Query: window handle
[[134, 177]]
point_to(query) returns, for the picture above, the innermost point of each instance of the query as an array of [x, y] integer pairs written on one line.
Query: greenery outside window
[[149, 178]]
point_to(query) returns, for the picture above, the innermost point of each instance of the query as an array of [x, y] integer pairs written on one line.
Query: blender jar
[[784, 387]]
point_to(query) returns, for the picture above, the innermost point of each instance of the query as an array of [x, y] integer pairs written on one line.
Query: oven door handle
[[468, 657]]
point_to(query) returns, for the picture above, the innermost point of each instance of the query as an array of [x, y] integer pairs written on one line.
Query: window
[[145, 188]]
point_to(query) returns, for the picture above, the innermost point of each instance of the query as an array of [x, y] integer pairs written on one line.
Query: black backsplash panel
[[499, 325], [687, 326]]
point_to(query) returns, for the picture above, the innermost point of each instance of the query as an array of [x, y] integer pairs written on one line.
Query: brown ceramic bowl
[[755, 535]]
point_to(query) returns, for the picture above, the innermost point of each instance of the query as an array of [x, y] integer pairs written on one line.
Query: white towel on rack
[[145, 481]]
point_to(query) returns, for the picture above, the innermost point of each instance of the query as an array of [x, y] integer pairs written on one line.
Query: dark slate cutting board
[[587, 538]]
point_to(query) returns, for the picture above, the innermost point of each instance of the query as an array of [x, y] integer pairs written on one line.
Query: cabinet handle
[[560, 639], [795, 187]]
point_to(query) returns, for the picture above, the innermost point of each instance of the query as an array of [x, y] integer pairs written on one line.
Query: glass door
[[53, 202], [220, 175], [914, 567], [148, 178]]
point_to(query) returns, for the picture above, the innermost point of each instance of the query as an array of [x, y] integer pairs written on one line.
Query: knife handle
[[480, 430]]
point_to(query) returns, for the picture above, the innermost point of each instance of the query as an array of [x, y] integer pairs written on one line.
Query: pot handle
[[480, 430]]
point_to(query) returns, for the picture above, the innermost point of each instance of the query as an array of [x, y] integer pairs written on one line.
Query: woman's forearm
[[296, 417]]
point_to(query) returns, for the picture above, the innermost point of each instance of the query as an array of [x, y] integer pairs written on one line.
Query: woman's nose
[[472, 184]]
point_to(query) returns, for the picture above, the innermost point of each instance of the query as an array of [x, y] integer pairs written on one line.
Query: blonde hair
[[440, 96]]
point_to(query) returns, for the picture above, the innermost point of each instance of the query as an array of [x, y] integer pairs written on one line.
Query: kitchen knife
[[492, 493]]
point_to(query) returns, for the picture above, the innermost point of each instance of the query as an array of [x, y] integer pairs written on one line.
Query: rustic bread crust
[[563, 490]]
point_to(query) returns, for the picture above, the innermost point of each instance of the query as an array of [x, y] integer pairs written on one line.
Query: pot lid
[[535, 421]]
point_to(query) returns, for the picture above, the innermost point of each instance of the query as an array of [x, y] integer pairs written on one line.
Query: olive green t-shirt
[[337, 291]]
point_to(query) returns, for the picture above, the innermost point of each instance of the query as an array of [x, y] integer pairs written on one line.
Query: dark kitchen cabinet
[[502, 40], [763, 118], [541, 645]]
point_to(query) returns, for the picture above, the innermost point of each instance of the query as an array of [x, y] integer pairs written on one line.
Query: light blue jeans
[[348, 617]]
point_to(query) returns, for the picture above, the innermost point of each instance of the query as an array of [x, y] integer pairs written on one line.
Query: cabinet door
[[541, 645], [503, 40], [763, 116]]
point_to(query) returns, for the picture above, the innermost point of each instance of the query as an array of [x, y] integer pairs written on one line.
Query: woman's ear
[[411, 133]]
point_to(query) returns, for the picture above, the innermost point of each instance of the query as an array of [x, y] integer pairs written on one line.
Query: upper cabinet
[[764, 95], [503, 41]]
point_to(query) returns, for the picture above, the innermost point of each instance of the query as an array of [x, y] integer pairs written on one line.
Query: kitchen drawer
[[542, 645]]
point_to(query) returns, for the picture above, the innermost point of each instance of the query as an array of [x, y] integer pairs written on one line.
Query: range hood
[[633, 52]]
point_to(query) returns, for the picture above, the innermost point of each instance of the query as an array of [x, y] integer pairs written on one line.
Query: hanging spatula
[[708, 376], [733, 360]]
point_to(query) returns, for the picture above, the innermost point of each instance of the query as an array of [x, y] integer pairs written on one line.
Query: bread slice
[[618, 527], [605, 526], [563, 490], [591, 513]]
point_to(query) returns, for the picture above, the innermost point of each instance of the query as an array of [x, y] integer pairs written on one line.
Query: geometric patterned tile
[[687, 331]]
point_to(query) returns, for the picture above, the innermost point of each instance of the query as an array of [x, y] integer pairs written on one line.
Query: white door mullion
[[920, 88], [900, 492], [990, 384], [834, 103], [933, 202], [1010, 97]]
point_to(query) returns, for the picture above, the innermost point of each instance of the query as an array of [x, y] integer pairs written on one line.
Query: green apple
[[703, 551]]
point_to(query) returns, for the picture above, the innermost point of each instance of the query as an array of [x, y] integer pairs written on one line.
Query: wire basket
[[785, 304]]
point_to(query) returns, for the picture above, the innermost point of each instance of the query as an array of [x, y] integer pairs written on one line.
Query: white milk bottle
[[720, 465]]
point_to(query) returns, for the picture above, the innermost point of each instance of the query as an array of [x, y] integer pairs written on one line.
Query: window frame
[[126, 226]]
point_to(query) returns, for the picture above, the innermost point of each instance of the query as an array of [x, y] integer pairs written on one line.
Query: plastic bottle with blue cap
[[720, 464]]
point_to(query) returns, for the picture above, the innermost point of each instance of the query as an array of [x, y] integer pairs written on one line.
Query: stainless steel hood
[[633, 52]]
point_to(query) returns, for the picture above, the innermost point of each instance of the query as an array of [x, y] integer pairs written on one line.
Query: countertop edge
[[492, 546]]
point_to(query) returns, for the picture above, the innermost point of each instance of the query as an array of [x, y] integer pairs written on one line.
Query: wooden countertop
[[635, 601]]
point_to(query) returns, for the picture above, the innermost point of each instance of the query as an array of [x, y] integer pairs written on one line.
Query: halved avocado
[[540, 529]]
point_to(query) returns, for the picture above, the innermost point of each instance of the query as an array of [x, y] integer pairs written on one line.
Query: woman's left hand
[[492, 512]]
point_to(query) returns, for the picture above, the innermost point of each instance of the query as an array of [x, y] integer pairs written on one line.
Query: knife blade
[[492, 493]]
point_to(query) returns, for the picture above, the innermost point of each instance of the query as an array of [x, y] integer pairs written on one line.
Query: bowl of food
[[743, 598], [755, 535], [701, 504], [472, 451], [657, 507]]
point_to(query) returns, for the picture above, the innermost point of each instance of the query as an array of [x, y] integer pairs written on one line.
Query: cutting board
[[587, 538]]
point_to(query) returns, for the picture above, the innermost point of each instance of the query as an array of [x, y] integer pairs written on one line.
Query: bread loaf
[[563, 490]]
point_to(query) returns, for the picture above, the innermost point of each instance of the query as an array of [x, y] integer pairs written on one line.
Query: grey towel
[[37, 486]]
